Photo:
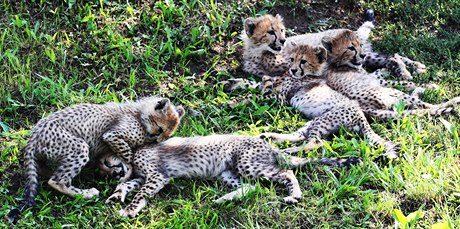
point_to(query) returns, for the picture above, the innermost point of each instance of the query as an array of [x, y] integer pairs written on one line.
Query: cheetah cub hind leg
[[415, 66], [292, 137], [68, 168], [237, 194], [233, 180]]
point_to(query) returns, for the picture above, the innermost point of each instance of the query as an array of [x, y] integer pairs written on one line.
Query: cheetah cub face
[[161, 120], [305, 60], [344, 49], [113, 166], [266, 32]]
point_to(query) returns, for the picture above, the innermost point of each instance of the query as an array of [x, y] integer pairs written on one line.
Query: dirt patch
[[313, 17], [16, 183]]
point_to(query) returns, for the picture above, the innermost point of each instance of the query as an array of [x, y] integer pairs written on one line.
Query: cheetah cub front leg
[[115, 139], [123, 189]]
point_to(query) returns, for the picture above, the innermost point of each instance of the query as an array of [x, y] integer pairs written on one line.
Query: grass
[[57, 53]]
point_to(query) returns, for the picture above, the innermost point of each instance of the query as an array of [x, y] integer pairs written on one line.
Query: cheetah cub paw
[[118, 196], [90, 193], [291, 200]]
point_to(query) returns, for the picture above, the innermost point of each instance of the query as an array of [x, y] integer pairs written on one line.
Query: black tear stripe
[[276, 37]]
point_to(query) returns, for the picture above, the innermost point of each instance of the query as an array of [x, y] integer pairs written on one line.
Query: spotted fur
[[230, 157], [264, 36], [71, 137], [329, 109], [370, 89]]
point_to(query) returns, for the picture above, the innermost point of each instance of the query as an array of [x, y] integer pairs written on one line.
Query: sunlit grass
[[55, 54]]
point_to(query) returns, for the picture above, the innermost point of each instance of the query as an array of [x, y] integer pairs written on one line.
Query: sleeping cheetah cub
[[329, 109], [71, 137], [369, 89], [230, 157]]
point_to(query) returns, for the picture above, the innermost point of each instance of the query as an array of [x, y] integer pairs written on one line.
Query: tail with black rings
[[31, 189]]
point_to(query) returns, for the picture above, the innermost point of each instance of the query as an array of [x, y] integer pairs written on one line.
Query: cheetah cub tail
[[31, 183], [340, 162], [296, 162]]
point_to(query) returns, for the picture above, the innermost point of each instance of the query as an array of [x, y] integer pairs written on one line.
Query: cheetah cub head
[[344, 50], [113, 166], [265, 33], [160, 118], [305, 60]]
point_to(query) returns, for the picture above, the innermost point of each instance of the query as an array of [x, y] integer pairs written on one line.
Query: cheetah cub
[[329, 109], [230, 157], [71, 137], [264, 38], [346, 76], [398, 65]]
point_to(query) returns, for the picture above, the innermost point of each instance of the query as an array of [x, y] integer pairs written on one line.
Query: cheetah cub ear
[[288, 48], [162, 104], [180, 110], [327, 42], [321, 54], [249, 26], [277, 16]]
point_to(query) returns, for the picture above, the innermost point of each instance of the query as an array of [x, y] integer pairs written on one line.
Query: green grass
[[59, 53]]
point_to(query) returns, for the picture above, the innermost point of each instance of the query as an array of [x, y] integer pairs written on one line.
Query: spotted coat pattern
[[230, 157], [71, 137], [370, 89]]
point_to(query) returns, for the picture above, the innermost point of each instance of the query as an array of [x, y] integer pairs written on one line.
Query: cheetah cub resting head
[[71, 137], [344, 49], [305, 60], [230, 157]]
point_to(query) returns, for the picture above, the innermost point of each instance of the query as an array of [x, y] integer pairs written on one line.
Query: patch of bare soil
[[346, 14], [16, 178]]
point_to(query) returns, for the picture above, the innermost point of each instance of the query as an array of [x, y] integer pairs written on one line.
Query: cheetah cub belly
[[75, 135], [230, 157]]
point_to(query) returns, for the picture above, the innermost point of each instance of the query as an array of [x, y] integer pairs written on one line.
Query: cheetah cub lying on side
[[71, 137], [343, 73], [346, 76], [230, 157], [329, 109]]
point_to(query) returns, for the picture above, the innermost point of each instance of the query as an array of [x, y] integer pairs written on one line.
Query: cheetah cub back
[[71, 137], [230, 157]]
